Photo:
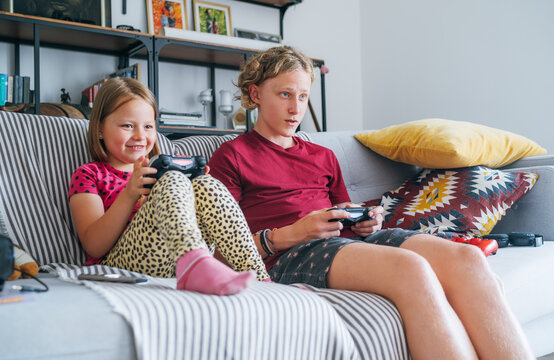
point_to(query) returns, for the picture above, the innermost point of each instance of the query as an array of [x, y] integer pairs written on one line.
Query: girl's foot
[[198, 270]]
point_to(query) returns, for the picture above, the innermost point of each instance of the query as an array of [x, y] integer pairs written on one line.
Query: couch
[[85, 320]]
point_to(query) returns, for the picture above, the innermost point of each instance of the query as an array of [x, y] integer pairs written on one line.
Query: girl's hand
[[135, 187], [368, 227]]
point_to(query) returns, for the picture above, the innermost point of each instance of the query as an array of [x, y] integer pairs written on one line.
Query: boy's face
[[282, 103]]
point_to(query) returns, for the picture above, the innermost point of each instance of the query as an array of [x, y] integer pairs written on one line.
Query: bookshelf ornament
[[205, 98], [226, 106]]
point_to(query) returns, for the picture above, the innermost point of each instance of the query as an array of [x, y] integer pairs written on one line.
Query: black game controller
[[357, 214], [191, 166]]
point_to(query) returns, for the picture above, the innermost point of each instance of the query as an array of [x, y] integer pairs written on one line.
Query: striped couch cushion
[[39, 154]]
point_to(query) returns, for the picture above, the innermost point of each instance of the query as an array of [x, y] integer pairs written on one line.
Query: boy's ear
[[254, 92]]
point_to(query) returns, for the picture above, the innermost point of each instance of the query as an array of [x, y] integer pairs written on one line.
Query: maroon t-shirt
[[102, 179], [274, 186]]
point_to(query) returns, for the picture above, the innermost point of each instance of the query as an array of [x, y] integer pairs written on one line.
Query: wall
[[488, 62], [181, 84], [332, 32]]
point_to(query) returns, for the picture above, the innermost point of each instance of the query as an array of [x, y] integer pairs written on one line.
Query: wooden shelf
[[17, 28]]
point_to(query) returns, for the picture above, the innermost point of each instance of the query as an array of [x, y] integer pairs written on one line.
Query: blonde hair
[[114, 93], [267, 65]]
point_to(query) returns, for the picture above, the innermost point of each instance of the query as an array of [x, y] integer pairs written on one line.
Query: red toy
[[488, 246]]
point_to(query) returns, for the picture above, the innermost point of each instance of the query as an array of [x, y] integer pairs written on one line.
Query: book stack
[[194, 119], [15, 89], [89, 94], [132, 71]]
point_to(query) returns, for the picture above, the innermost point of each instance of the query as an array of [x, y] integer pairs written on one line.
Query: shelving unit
[[41, 32]]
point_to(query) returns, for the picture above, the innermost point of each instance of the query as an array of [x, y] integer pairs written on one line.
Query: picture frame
[[212, 18], [92, 12], [255, 35], [163, 13]]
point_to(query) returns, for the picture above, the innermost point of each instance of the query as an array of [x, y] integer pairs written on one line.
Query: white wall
[[489, 62], [330, 30]]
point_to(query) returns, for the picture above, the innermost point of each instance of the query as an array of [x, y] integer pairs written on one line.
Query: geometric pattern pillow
[[465, 200]]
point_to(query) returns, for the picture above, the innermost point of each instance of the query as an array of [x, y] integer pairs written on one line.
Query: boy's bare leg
[[475, 295], [433, 329]]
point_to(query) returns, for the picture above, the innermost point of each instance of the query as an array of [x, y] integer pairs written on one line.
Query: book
[[26, 90], [3, 86], [86, 97], [10, 89], [17, 89]]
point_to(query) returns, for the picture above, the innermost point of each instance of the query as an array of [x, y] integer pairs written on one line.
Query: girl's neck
[[120, 166]]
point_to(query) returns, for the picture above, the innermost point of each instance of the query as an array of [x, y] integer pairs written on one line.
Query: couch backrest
[[38, 155], [367, 175]]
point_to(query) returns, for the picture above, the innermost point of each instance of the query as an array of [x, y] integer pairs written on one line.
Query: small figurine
[[64, 97]]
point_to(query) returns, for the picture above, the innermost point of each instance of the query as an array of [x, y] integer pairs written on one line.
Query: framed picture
[[166, 14], [212, 18], [248, 34], [94, 12]]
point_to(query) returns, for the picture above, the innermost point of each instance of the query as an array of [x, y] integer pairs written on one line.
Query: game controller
[[488, 246], [357, 214], [191, 166]]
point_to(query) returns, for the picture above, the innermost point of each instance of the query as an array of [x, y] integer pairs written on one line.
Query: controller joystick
[[191, 166], [357, 214]]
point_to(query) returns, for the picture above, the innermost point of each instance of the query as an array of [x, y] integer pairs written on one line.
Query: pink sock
[[197, 270]]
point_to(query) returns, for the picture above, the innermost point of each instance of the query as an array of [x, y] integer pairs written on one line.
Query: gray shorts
[[309, 262]]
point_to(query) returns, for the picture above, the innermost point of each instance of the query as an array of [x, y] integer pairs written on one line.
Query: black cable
[[30, 288]]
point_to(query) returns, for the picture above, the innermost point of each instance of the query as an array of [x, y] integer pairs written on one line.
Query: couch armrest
[[541, 160], [533, 212]]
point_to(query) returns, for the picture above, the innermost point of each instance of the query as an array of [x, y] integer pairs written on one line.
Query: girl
[[168, 234], [449, 300]]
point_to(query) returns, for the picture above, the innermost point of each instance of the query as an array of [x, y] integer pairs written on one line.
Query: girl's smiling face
[[129, 133], [282, 102]]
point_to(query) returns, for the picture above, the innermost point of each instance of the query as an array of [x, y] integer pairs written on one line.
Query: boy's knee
[[413, 273]]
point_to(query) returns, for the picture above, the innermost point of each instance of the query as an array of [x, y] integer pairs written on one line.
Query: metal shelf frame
[[40, 32]]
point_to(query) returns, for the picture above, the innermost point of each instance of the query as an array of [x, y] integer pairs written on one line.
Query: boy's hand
[[368, 227]]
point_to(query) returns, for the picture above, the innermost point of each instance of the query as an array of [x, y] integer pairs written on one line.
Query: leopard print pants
[[179, 216]]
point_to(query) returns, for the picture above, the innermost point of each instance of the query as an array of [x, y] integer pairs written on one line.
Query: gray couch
[[83, 319]]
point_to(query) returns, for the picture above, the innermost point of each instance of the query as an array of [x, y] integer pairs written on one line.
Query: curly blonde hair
[[267, 65], [114, 93]]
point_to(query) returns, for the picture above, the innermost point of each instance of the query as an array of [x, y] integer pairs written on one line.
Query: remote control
[[191, 166], [357, 214]]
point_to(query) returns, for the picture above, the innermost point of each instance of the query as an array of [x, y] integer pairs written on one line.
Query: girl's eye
[[128, 126], [149, 127]]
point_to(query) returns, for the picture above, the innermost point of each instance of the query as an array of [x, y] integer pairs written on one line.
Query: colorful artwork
[[212, 18], [166, 14]]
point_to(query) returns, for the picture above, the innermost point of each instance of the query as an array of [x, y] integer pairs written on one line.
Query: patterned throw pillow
[[465, 200]]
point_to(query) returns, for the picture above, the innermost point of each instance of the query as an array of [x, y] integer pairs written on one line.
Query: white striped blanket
[[267, 321]]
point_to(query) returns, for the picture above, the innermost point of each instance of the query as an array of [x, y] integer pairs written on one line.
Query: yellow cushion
[[444, 144]]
